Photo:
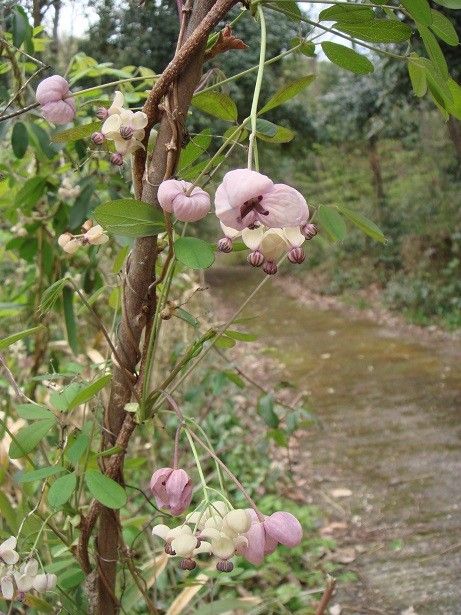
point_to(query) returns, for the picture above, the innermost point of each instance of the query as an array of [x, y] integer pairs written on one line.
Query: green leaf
[[419, 10], [187, 317], [417, 74], [30, 192], [434, 52], [444, 28], [33, 412], [273, 133], [332, 223], [449, 4], [76, 133], [71, 578], [28, 438], [8, 513], [61, 399], [224, 342], [194, 149], [279, 437], [240, 336], [377, 31], [42, 141], [78, 448], [11, 339], [347, 58], [288, 8], [39, 474], [69, 318], [235, 378], [89, 391], [120, 259], [51, 295], [437, 83], [305, 47], [105, 490], [365, 225], [454, 107], [344, 12], [20, 26], [19, 139], [266, 410], [194, 253], [216, 104], [287, 92], [61, 490], [130, 218]]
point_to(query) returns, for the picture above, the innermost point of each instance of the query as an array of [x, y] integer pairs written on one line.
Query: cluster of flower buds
[[223, 532], [92, 235], [67, 190], [122, 126], [272, 219], [55, 100], [25, 576]]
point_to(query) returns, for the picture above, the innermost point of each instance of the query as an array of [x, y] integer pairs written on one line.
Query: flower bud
[[270, 267], [296, 255], [64, 239], [225, 245], [116, 159], [72, 245], [225, 566], [172, 489], [256, 259], [102, 113], [98, 138], [188, 203], [56, 103], [309, 230], [45, 582], [87, 225], [187, 564], [284, 528], [126, 132], [96, 235], [238, 521]]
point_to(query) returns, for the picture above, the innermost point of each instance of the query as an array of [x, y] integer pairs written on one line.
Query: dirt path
[[385, 463]]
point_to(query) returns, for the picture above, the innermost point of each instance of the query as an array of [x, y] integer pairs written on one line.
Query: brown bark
[[375, 166], [454, 131], [138, 303]]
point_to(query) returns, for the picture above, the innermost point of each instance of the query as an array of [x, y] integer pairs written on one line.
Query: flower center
[[253, 204]]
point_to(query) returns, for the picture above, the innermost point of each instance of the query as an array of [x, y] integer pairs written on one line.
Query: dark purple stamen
[[250, 205]]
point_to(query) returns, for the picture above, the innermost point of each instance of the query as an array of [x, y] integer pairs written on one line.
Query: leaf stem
[[257, 92]]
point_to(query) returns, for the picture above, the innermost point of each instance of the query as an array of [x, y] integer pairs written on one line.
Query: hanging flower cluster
[[271, 219], [216, 528], [25, 576], [93, 235], [223, 532], [55, 100], [122, 126], [67, 190]]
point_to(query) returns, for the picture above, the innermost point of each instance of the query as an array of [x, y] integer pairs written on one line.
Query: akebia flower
[[181, 198], [8, 554], [172, 489], [56, 104], [126, 129], [246, 198]]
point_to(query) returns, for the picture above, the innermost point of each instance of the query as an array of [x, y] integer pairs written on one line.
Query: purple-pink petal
[[284, 528], [179, 491], [59, 112], [158, 486], [52, 89], [256, 537], [286, 207]]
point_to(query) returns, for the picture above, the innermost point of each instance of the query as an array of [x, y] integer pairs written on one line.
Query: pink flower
[[187, 208], [53, 96], [172, 489], [245, 198], [264, 535]]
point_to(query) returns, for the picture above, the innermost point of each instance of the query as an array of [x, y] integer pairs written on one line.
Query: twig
[[327, 594]]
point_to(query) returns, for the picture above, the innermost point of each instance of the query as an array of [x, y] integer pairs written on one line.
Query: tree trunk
[[375, 166], [454, 131], [57, 10], [139, 304]]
